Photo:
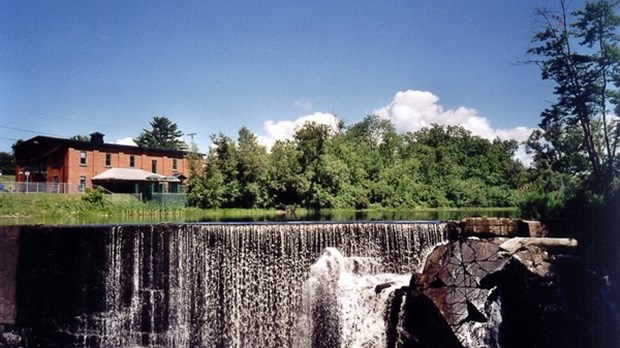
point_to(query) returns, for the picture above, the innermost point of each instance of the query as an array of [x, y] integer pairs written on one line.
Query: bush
[[94, 196], [537, 205]]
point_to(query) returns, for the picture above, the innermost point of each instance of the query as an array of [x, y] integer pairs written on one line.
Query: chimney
[[96, 138]]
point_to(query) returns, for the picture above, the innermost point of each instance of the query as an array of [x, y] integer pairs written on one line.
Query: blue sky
[[75, 67]]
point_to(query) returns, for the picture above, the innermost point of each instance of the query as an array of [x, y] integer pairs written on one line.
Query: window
[[132, 161], [154, 166], [82, 158], [108, 159], [174, 164], [82, 183]]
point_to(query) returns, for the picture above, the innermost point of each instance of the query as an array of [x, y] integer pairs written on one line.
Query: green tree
[[195, 187], [287, 184], [581, 57], [252, 165], [461, 169], [376, 142], [7, 163], [367, 165], [218, 187], [311, 140], [164, 134], [80, 137], [221, 171], [195, 162]]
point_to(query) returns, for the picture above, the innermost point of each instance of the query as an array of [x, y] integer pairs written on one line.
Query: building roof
[[132, 174], [47, 143]]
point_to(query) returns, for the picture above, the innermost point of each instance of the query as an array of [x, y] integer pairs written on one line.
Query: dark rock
[[497, 292], [9, 248], [381, 287], [13, 337], [428, 327]]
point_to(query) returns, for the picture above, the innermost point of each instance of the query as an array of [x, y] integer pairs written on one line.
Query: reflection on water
[[409, 215], [270, 216]]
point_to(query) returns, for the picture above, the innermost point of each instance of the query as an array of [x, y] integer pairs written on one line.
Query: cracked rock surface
[[493, 292]]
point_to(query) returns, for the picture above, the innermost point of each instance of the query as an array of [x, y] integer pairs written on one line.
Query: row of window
[[132, 161]]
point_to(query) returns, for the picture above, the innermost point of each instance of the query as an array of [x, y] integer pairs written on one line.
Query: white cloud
[[410, 111], [280, 130], [413, 110], [126, 141], [305, 104]]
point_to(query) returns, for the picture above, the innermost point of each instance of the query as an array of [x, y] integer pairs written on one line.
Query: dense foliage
[[7, 163], [367, 164], [576, 162]]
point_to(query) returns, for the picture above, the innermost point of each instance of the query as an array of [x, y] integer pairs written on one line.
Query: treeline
[[367, 164], [576, 159]]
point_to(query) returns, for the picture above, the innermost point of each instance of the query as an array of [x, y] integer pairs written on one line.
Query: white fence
[[172, 199], [46, 187], [40, 187]]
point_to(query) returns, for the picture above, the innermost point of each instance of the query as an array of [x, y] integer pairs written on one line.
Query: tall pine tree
[[164, 134]]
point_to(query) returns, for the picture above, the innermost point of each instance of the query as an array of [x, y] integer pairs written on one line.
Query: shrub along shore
[[35, 208]]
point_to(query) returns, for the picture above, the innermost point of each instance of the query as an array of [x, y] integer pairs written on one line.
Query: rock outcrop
[[487, 287]]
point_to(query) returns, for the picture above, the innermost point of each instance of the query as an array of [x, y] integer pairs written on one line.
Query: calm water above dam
[[254, 216]]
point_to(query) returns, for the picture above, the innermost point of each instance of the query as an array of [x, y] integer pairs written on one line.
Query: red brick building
[[70, 165]]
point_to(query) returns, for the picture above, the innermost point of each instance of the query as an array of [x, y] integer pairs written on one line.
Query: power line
[[46, 116], [35, 132]]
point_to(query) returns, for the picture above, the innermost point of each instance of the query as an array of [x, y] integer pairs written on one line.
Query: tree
[[164, 134], [195, 187], [287, 183], [80, 137], [367, 165], [218, 187], [583, 83], [7, 163], [311, 140], [252, 164], [377, 140]]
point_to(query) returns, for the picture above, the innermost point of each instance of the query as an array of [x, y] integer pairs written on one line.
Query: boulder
[[494, 292]]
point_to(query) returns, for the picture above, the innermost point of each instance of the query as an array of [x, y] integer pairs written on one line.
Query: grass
[[35, 208], [67, 205]]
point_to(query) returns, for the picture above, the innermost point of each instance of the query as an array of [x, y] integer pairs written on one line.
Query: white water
[[253, 285], [345, 288]]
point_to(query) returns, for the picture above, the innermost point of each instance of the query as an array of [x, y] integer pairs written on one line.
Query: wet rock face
[[497, 292], [451, 283]]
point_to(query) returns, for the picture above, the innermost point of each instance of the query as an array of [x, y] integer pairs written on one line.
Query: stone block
[[485, 227], [531, 228]]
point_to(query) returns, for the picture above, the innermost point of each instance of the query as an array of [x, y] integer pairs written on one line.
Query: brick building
[[71, 165]]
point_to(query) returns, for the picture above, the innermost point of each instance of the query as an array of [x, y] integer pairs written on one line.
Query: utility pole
[[191, 135]]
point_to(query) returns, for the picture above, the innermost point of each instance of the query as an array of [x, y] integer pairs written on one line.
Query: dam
[[208, 285]]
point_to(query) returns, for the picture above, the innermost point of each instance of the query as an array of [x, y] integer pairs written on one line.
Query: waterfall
[[251, 285], [346, 302]]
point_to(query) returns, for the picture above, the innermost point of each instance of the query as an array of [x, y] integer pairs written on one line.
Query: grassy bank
[[35, 208], [69, 205]]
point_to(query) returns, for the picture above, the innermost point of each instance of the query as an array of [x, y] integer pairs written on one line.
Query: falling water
[[345, 302], [253, 285]]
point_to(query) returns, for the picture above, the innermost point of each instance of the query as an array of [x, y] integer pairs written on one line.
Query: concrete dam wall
[[207, 285]]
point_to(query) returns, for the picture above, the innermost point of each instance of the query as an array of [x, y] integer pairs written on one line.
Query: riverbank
[[38, 208]]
